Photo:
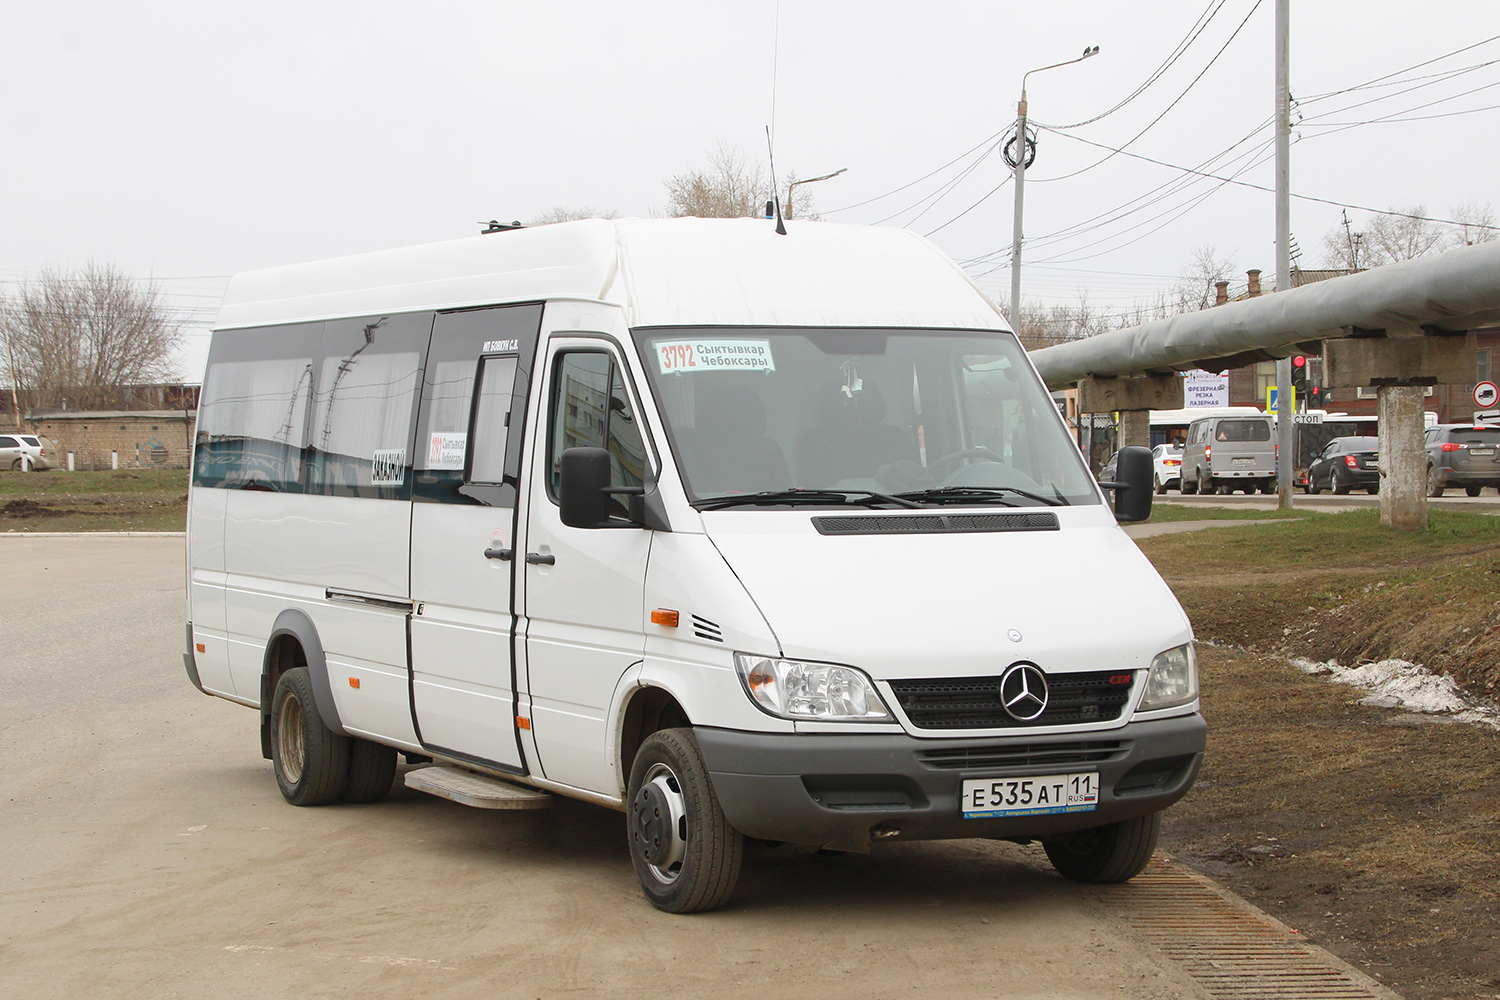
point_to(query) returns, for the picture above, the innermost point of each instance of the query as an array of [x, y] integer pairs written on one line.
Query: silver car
[[23, 452]]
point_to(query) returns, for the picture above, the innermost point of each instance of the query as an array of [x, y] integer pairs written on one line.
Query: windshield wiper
[[968, 494], [807, 497]]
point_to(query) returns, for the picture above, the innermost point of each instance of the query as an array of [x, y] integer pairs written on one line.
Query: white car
[[1167, 459], [23, 453]]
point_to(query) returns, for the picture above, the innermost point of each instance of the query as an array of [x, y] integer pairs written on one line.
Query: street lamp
[[810, 180], [1020, 167]]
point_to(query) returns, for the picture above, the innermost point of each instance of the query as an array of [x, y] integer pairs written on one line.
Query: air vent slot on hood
[[914, 524], [705, 629]]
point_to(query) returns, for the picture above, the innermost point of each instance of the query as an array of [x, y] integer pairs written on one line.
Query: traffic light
[[1299, 375], [1315, 397]]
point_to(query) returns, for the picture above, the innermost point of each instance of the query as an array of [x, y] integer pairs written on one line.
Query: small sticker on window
[[388, 468], [678, 356], [446, 451]]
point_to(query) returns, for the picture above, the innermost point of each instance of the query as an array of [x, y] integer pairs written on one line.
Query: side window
[[590, 409], [8, 442], [492, 413], [253, 415], [467, 365], [364, 405]]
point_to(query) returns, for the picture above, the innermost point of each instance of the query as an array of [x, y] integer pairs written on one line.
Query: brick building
[[139, 438]]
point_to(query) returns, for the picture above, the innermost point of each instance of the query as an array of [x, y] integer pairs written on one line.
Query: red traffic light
[[1299, 362]]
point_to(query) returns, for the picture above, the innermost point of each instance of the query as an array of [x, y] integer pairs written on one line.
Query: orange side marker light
[[661, 616], [522, 722], [201, 649], [354, 683]]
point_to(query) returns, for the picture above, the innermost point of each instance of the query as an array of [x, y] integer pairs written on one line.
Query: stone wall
[[159, 439]]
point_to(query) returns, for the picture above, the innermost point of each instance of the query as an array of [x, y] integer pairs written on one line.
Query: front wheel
[[686, 855], [1116, 852], [1473, 491], [311, 761]]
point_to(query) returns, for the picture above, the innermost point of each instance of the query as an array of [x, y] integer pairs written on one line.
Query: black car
[[1345, 463], [1466, 455]]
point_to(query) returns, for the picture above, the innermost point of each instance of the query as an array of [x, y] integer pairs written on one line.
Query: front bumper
[[841, 792]]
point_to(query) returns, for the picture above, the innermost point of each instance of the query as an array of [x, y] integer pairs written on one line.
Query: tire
[[1340, 488], [1207, 486], [1161, 488], [17, 466], [372, 770], [1187, 488], [686, 855], [1116, 852], [1434, 483], [1268, 488], [311, 761], [1473, 491]]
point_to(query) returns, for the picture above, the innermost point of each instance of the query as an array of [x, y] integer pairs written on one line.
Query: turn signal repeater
[[664, 617]]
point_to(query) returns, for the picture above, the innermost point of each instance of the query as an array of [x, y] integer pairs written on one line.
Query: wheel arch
[[648, 709], [294, 642]]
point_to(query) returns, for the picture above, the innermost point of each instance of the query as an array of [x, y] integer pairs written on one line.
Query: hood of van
[[953, 604]]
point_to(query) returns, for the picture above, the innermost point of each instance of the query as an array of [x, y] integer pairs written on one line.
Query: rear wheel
[[1113, 853], [1473, 491], [686, 855], [311, 761], [1188, 486], [19, 465], [372, 770], [1340, 487], [1434, 482], [1207, 486], [1160, 486]]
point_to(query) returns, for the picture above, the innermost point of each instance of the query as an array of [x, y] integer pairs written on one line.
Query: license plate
[[1244, 461], [1035, 796], [1371, 463], [1481, 452]]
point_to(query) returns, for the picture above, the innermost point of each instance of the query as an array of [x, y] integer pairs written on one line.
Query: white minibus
[[745, 535]]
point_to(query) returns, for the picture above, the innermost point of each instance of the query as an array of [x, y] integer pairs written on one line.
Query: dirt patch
[[1374, 832]]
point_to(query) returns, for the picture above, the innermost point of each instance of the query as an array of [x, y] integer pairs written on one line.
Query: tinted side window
[[492, 416], [9, 442], [459, 339], [364, 405], [590, 409], [253, 415]]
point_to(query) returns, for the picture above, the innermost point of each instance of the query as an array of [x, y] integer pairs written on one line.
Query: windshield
[[932, 416]]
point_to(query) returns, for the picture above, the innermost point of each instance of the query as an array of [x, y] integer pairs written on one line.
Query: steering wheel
[[960, 455]]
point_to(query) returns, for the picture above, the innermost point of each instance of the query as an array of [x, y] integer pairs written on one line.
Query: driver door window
[[591, 409]]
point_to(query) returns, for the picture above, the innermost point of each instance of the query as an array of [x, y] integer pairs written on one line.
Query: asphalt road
[[147, 853]]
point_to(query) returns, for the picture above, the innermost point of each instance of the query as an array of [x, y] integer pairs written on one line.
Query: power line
[[1190, 86], [1262, 187], [968, 152], [1197, 29]]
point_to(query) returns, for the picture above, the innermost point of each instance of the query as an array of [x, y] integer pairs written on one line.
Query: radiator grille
[[974, 702]]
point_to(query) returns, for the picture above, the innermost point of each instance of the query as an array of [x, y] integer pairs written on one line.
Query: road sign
[[1273, 396], [1307, 418], [1485, 394]]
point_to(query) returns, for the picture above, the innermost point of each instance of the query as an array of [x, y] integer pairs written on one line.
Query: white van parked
[[745, 535]]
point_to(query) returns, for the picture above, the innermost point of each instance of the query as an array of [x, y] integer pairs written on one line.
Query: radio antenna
[[775, 195]]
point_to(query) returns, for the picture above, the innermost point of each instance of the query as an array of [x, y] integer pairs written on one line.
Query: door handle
[[502, 554], [537, 559]]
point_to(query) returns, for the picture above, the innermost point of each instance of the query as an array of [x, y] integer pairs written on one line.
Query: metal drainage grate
[[1232, 949]]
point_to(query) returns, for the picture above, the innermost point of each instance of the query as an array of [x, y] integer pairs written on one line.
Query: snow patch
[[1408, 686]]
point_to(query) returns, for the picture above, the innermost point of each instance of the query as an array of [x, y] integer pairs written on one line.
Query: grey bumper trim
[[833, 790], [191, 662]]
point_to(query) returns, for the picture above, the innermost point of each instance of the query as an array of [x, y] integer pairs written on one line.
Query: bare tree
[[1194, 289], [81, 338], [733, 186], [560, 214], [1041, 326], [1406, 234]]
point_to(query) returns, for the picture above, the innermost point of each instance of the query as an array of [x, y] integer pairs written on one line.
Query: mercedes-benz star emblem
[[1014, 635], [1023, 692]]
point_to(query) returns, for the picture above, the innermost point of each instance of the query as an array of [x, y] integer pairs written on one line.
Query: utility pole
[[1019, 164], [1286, 429], [793, 185], [15, 387]]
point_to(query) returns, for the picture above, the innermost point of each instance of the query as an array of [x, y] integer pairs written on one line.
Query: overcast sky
[[188, 141]]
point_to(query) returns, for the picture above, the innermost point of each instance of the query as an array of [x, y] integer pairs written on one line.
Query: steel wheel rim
[[289, 739], [661, 780]]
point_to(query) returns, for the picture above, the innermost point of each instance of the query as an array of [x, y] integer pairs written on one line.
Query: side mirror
[[1132, 485], [581, 489]]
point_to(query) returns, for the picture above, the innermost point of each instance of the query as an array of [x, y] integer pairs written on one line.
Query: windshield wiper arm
[[801, 496], [960, 493]]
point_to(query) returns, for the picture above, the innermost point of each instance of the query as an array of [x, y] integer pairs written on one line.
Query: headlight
[[793, 689], [1173, 679]]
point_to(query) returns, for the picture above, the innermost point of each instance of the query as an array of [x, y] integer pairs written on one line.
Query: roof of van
[[662, 272]]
